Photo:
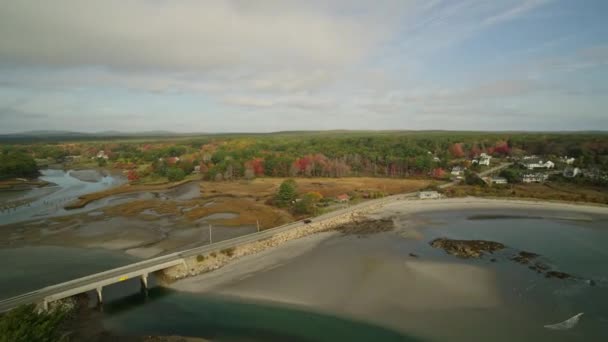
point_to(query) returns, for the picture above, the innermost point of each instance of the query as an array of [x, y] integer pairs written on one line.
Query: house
[[102, 154], [566, 160], [571, 172], [428, 195], [343, 198], [484, 159], [197, 169], [436, 159], [536, 163], [457, 171], [534, 177], [498, 180]]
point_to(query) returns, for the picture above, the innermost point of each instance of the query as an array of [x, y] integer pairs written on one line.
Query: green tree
[[511, 175], [471, 178], [175, 174], [308, 204], [17, 164], [25, 324], [101, 162], [288, 191]]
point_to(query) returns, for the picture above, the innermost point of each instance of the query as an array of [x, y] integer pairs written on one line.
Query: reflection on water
[[49, 201]]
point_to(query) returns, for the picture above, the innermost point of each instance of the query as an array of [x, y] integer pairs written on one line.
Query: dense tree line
[[15, 163], [329, 154]]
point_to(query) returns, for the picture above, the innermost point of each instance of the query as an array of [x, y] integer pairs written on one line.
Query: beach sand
[[364, 279]]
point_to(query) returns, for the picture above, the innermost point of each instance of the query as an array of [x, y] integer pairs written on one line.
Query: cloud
[[305, 102], [514, 12], [178, 35]]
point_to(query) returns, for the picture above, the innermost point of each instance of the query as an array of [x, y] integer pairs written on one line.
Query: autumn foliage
[[456, 150]]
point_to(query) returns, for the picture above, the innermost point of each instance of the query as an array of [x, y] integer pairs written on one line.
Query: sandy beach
[[363, 278]]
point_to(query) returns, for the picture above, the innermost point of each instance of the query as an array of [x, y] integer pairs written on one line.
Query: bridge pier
[[144, 283], [99, 296]]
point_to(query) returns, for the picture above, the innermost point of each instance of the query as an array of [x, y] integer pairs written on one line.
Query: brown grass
[[249, 211], [328, 187], [548, 191]]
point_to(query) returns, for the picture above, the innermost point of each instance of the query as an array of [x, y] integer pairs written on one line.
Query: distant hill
[[55, 136]]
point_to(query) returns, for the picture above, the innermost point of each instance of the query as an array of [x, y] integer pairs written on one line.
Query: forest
[[317, 154]]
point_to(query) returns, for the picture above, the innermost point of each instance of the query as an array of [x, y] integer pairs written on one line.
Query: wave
[[567, 324]]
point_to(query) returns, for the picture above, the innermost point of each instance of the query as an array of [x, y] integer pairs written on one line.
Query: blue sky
[[261, 66]]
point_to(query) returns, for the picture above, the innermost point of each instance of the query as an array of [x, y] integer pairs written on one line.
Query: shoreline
[[367, 277], [208, 263]]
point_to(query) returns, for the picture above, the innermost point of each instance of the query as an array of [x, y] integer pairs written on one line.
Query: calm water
[[49, 201], [27, 269], [530, 301]]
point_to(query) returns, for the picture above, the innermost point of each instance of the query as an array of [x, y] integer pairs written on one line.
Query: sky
[[266, 65]]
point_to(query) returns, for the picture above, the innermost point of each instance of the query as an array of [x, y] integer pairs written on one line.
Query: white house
[[484, 159], [535, 163], [457, 171], [197, 169], [534, 178], [428, 195], [567, 160], [102, 154], [571, 172]]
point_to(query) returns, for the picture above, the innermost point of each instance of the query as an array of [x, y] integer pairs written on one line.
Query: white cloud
[[178, 35]]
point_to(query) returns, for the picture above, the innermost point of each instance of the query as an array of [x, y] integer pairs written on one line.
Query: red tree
[[438, 173], [132, 176], [502, 147], [257, 164], [456, 150]]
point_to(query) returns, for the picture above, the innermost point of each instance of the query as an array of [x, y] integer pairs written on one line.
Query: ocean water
[[567, 242]]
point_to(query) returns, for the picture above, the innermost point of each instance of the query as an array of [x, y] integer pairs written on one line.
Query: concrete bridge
[[142, 269], [96, 282]]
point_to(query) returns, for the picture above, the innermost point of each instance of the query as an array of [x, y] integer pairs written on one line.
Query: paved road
[[91, 282]]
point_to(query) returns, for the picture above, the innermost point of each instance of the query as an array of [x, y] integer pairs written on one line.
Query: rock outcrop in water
[[467, 248], [477, 248]]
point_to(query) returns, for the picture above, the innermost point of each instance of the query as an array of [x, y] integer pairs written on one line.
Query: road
[[116, 275]]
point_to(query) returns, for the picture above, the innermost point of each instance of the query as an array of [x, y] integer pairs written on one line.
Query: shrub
[[200, 258], [228, 251], [175, 174], [25, 324]]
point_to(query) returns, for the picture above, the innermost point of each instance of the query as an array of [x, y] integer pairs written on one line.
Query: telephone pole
[[210, 234]]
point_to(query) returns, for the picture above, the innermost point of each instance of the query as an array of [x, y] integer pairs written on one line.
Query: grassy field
[[245, 198], [249, 211], [547, 191], [328, 187]]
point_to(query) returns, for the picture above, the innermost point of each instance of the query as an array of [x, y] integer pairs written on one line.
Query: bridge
[[96, 282]]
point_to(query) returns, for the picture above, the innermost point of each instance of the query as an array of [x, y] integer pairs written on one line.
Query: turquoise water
[[529, 301], [27, 269], [166, 312]]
